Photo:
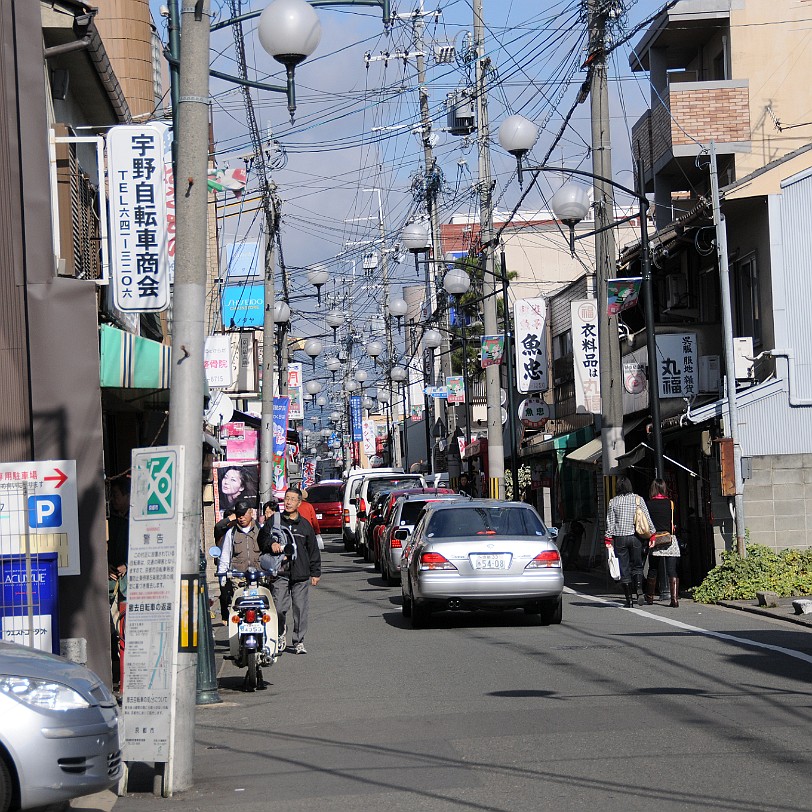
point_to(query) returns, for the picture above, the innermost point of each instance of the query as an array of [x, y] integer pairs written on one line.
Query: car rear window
[[411, 510], [470, 521], [396, 483], [324, 493]]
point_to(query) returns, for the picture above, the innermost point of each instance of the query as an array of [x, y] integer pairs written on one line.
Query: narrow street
[[613, 709]]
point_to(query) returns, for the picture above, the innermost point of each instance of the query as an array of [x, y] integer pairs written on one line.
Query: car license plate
[[318, 515], [500, 561], [250, 628]]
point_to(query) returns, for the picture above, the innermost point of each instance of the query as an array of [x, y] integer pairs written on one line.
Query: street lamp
[[351, 385], [281, 312], [368, 403], [321, 402], [398, 309], [333, 365], [398, 374], [374, 349], [432, 339], [313, 388], [318, 276], [334, 319], [571, 204], [361, 375], [335, 416], [313, 348], [456, 281]]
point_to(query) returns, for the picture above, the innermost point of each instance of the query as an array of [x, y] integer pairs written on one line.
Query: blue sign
[[357, 417], [14, 600], [45, 511], [243, 306]]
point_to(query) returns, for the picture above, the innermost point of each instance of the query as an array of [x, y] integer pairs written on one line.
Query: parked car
[[325, 496], [403, 517], [59, 737], [482, 554], [369, 488], [349, 498]]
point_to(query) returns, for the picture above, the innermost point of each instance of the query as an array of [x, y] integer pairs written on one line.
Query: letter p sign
[[44, 511]]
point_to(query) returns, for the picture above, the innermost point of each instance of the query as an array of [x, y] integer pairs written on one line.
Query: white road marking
[[798, 655]]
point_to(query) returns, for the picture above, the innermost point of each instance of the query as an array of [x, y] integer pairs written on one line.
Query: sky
[[353, 127]]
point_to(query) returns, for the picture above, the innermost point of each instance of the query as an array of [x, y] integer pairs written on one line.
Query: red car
[[325, 496]]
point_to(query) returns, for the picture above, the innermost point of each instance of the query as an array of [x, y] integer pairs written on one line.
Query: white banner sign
[[531, 344], [369, 436], [585, 356], [217, 361], [158, 613], [139, 236], [677, 359], [295, 392]]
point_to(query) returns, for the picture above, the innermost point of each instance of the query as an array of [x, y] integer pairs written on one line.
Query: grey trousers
[[296, 595]]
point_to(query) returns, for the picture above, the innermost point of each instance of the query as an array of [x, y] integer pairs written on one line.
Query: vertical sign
[[584, 316], [678, 369], [295, 391], [368, 429], [217, 361], [529, 317], [356, 418], [153, 604], [138, 228], [281, 409], [456, 388]]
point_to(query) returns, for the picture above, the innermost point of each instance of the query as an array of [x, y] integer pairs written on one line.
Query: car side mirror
[[215, 551], [552, 532], [401, 535]]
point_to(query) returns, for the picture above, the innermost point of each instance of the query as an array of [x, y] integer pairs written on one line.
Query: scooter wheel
[[251, 675]]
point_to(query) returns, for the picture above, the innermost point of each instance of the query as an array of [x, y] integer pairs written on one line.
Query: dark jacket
[[660, 512], [308, 558]]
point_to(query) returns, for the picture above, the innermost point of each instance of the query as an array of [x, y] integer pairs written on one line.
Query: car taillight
[[250, 616], [435, 561], [395, 543], [346, 515], [549, 558]]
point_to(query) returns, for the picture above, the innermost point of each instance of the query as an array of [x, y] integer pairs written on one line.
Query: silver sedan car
[[481, 554], [59, 737]]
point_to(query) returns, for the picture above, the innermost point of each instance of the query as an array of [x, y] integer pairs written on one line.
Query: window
[[562, 344], [466, 522], [746, 299]]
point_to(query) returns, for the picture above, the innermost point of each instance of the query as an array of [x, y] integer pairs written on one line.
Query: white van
[[349, 502]]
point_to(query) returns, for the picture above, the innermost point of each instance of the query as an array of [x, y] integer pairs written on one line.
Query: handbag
[[642, 528], [614, 564], [662, 540]]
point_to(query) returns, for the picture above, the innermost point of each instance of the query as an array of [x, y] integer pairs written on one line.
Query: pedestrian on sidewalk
[[300, 570], [620, 533], [307, 511], [663, 560]]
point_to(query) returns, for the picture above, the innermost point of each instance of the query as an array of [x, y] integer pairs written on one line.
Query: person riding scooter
[[240, 548]]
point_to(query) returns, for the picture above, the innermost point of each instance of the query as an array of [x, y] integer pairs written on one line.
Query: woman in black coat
[[662, 559]]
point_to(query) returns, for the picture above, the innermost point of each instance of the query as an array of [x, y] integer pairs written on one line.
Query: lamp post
[[432, 339], [333, 365], [318, 276], [570, 204], [398, 376]]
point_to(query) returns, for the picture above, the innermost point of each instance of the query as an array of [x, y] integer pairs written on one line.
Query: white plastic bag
[[320, 541], [614, 564]]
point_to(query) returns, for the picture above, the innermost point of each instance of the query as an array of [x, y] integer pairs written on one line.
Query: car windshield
[[399, 484], [324, 493], [470, 521]]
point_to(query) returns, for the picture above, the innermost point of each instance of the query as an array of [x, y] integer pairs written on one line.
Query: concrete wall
[[778, 501]]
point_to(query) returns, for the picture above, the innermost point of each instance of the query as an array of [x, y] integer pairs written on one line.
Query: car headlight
[[44, 694]]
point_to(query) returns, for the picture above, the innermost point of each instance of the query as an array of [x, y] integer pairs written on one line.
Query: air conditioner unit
[[743, 364], [709, 373], [676, 290]]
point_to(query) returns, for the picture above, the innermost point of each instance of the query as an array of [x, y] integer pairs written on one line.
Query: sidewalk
[[597, 582]]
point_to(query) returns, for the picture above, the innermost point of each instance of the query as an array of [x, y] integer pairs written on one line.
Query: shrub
[[788, 573]]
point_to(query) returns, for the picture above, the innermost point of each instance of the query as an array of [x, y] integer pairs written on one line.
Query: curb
[[776, 612]]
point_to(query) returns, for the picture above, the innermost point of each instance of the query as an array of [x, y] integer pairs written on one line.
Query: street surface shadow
[[521, 694], [466, 620]]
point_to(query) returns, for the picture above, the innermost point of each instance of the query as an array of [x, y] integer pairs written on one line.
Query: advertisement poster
[[622, 294], [244, 449], [493, 347], [234, 481], [295, 391], [585, 356], [456, 388], [217, 361], [281, 409], [530, 316], [356, 418], [308, 472]]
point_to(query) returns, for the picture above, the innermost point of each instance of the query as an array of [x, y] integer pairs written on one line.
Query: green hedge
[[788, 573]]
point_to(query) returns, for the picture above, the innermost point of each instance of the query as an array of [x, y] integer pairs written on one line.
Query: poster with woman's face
[[234, 481]]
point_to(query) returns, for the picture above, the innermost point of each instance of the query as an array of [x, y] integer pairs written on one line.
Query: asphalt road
[[645, 709]]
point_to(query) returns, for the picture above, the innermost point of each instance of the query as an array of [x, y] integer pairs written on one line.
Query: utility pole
[[188, 340], [268, 352], [608, 342], [496, 451], [732, 420]]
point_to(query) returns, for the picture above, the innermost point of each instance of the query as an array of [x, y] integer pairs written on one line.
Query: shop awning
[[589, 454], [638, 454], [128, 361]]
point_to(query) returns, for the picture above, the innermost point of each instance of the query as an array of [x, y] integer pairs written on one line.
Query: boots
[[627, 591], [674, 584], [651, 585], [637, 581]]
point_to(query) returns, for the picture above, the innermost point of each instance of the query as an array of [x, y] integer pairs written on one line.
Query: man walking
[[301, 570]]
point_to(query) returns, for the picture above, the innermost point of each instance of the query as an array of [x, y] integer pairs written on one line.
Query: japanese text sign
[[584, 316], [138, 227], [529, 317], [677, 359]]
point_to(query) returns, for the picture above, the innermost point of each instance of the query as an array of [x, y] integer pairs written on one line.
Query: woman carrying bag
[[623, 520], [663, 547]]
